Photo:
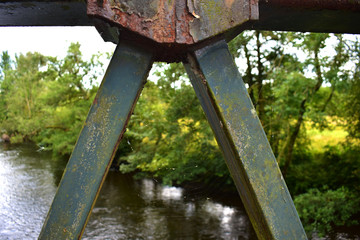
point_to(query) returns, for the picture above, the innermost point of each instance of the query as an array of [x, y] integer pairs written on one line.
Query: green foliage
[[338, 169], [289, 91], [352, 96], [67, 100], [44, 99], [295, 95], [295, 85], [322, 210], [20, 90], [337, 166], [170, 137]]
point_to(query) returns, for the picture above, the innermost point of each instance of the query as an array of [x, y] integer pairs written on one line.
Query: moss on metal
[[247, 152]]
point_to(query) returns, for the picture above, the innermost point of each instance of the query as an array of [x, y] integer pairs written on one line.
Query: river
[[125, 209]]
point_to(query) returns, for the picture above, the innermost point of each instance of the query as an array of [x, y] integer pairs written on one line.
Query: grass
[[332, 136]]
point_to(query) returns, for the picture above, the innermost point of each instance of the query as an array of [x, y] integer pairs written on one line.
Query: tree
[[5, 67], [20, 94], [169, 134], [66, 99], [46, 100], [281, 88], [352, 95]]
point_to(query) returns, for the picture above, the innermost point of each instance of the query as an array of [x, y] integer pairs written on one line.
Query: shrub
[[320, 211]]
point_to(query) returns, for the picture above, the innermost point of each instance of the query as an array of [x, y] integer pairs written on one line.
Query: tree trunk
[[249, 78], [260, 105], [290, 143], [292, 138]]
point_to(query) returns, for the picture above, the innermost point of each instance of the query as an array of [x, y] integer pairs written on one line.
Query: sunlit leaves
[[45, 99], [169, 134]]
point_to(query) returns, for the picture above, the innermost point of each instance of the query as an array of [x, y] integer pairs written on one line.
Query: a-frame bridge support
[[194, 32]]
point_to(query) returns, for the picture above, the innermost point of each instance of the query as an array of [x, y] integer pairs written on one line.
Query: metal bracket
[[172, 27]]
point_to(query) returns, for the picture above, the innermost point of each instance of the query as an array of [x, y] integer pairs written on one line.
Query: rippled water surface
[[26, 190], [125, 209]]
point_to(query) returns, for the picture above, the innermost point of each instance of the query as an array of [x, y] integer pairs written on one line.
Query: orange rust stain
[[163, 27], [229, 3], [183, 18], [164, 24]]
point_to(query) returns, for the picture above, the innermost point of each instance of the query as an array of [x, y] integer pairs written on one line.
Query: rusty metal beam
[[44, 13], [172, 27], [175, 27], [175, 21]]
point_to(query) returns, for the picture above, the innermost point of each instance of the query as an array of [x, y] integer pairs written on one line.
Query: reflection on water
[[146, 210], [125, 209], [26, 190]]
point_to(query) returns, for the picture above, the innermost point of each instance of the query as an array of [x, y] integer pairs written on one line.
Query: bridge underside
[[338, 16], [44, 13], [213, 74]]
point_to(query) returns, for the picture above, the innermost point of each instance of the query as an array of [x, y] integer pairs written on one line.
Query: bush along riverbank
[[311, 120]]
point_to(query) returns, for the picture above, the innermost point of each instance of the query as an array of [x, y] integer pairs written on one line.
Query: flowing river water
[[125, 209]]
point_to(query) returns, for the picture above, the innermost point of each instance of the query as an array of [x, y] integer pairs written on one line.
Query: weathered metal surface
[[173, 27], [337, 16], [175, 21], [217, 16], [240, 135], [352, 5], [153, 19], [97, 143], [187, 21], [44, 13]]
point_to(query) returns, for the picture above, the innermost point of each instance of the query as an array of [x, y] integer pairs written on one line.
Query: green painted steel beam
[[97, 143], [247, 152]]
